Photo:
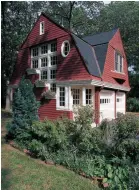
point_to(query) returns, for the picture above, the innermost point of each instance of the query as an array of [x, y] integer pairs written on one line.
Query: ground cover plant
[[109, 152]]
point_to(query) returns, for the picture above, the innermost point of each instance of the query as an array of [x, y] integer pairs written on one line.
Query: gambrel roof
[[100, 38]]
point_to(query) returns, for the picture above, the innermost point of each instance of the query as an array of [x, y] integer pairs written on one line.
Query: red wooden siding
[[52, 31], [72, 67], [109, 74], [48, 110]]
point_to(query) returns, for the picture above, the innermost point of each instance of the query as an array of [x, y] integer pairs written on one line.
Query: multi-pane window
[[104, 101], [76, 96], [44, 62], [53, 60], [65, 48], [34, 52], [53, 87], [62, 96], [88, 96], [118, 62], [35, 64], [41, 27], [44, 49], [53, 74], [44, 58], [53, 47], [43, 74]]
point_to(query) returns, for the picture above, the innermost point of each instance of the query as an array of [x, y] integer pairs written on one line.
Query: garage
[[120, 102], [107, 104]]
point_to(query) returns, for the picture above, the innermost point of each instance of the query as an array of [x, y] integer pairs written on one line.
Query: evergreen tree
[[25, 110]]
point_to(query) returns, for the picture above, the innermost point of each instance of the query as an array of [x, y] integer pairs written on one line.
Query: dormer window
[[41, 28], [118, 62]]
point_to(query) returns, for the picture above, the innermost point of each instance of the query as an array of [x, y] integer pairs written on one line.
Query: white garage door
[[107, 102], [120, 102]]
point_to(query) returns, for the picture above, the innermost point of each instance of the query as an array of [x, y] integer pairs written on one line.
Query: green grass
[[20, 172]]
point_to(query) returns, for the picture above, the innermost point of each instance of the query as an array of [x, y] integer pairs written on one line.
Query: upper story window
[[65, 48], [44, 49], [44, 58], [53, 47], [118, 62], [42, 27], [35, 52]]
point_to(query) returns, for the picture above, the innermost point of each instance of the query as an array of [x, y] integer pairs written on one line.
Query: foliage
[[25, 110], [133, 104], [48, 94], [134, 177]]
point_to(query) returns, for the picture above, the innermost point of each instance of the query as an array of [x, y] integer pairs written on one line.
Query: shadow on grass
[[5, 179]]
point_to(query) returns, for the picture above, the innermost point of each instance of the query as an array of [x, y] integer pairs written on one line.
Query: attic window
[[41, 27], [65, 48], [118, 62]]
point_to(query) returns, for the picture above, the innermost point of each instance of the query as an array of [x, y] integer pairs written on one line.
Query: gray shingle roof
[[101, 38], [101, 51], [88, 54]]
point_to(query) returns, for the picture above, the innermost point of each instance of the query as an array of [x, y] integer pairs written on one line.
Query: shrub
[[133, 105], [25, 110]]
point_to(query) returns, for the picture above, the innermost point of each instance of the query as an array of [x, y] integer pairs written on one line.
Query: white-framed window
[[118, 62], [53, 87], [44, 49], [88, 96], [35, 52], [53, 60], [104, 101], [43, 59], [53, 74], [53, 47], [44, 74], [65, 48], [41, 27], [62, 96], [76, 96], [118, 100], [44, 62], [35, 63]]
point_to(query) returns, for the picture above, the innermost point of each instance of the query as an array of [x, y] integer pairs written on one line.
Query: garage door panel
[[120, 102], [107, 98]]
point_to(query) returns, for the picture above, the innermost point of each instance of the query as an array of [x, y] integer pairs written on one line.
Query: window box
[[31, 71], [48, 95], [40, 83]]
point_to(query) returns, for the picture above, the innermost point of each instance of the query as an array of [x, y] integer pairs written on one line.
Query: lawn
[[20, 172]]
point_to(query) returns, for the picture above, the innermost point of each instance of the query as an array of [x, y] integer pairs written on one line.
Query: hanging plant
[[31, 71], [48, 95], [40, 83]]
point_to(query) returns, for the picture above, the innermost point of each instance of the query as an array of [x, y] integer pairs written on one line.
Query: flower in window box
[[48, 94], [31, 71], [40, 83]]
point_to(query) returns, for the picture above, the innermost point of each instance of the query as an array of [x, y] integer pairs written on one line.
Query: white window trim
[[62, 48], [41, 27], [66, 107], [49, 66], [118, 71]]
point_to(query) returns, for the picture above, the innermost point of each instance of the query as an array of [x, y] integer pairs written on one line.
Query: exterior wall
[[97, 104], [109, 73], [48, 110]]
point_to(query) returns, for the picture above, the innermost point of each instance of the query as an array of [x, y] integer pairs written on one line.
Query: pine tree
[[25, 110]]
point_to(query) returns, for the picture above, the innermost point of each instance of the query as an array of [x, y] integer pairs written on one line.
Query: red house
[[70, 71]]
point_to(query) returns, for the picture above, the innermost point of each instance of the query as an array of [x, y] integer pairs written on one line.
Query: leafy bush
[[133, 182], [133, 104]]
